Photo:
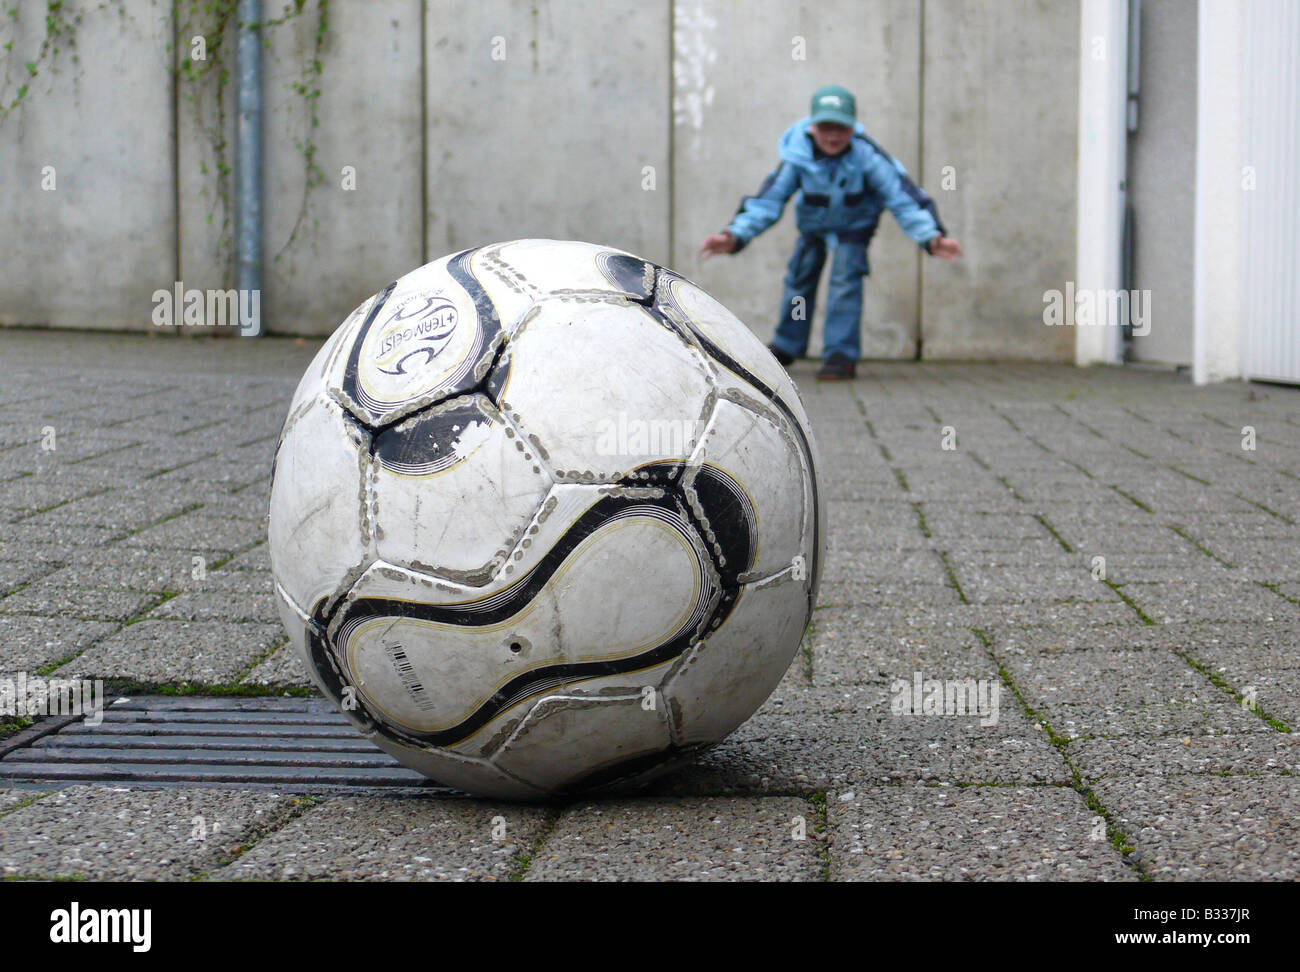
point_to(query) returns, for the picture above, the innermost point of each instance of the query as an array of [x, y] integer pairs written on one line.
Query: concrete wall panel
[[323, 258], [90, 252], [1001, 107], [542, 116], [349, 243], [204, 199]]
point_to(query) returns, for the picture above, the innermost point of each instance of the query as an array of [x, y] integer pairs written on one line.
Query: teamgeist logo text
[[22, 695]]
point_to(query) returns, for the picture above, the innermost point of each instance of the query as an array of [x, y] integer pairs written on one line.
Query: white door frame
[[1216, 336], [1103, 151]]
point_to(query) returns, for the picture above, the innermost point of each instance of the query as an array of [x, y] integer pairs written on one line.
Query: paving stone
[[230, 579], [1219, 525], [722, 839], [225, 606], [394, 839], [809, 739], [45, 599], [1206, 715], [1130, 756], [1035, 557], [115, 509], [17, 573], [1063, 614], [1105, 693], [1017, 585], [113, 833], [859, 644], [1102, 677], [908, 565], [990, 495], [1208, 828], [945, 522], [201, 531], [1261, 560], [207, 652], [56, 541], [1153, 543], [32, 493], [972, 549], [1271, 645], [1272, 692], [1203, 641], [256, 559], [887, 594], [853, 531], [71, 450], [1194, 569], [947, 833], [29, 643], [1173, 602], [126, 569], [1287, 589], [12, 798], [283, 668]]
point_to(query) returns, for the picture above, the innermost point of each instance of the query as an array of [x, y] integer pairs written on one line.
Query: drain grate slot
[[294, 745]]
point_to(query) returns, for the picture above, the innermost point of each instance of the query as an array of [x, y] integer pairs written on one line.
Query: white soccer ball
[[545, 518]]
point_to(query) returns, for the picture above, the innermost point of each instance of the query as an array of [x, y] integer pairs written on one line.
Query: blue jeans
[[843, 298]]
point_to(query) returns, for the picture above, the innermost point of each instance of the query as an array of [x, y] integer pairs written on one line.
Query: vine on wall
[[205, 86], [202, 63], [62, 20]]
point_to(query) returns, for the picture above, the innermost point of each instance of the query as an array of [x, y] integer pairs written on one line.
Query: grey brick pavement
[[1098, 543]]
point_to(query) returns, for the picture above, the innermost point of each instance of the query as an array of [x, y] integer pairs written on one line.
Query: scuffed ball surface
[[545, 518]]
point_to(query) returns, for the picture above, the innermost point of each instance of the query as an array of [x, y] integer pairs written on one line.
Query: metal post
[[248, 166]]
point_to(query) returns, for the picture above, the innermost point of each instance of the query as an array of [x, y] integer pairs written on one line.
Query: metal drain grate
[[292, 745]]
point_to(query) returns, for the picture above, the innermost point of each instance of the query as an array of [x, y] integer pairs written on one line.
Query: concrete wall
[[549, 137], [328, 250], [453, 146], [1001, 104], [1162, 179], [206, 224], [350, 242], [89, 251]]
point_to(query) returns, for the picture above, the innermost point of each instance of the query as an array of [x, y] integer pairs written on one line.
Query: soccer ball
[[544, 519]]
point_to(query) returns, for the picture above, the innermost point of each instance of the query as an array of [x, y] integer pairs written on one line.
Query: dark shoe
[[837, 368], [785, 359]]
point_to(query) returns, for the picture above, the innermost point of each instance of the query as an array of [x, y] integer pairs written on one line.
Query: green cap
[[834, 104]]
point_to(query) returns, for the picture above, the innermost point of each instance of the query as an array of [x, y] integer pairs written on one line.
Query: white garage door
[[1270, 328]]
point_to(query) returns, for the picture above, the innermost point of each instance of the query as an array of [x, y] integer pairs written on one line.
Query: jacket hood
[[797, 146]]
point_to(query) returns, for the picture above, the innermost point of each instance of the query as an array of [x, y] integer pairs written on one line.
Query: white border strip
[[1216, 342], [1103, 147]]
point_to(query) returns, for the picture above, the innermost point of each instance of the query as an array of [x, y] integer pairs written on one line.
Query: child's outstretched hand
[[717, 243], [946, 247]]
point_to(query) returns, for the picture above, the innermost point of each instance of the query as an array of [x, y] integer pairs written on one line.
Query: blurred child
[[846, 180]]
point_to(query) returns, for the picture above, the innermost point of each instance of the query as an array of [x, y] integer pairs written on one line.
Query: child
[[846, 180]]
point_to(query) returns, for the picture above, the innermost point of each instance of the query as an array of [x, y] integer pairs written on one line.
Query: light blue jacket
[[843, 194]]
